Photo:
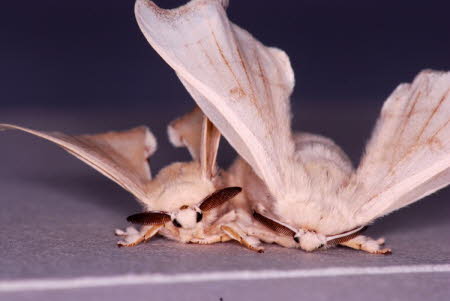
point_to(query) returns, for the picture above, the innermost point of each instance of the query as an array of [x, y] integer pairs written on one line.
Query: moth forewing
[[227, 72], [124, 163]]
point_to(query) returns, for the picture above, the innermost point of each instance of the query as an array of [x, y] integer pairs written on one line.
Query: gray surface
[[58, 216], [394, 287]]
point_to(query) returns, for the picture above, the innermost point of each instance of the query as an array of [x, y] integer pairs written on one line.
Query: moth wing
[[131, 149], [209, 147], [185, 132], [120, 156], [200, 136], [241, 85], [408, 156]]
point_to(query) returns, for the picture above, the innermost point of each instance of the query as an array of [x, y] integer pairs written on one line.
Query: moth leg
[[249, 242], [271, 237], [132, 237], [365, 243], [211, 240]]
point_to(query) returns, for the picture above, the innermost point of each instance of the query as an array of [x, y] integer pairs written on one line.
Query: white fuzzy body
[[176, 185], [317, 208], [181, 184]]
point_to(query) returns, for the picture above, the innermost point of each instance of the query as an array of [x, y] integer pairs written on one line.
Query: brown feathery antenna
[[345, 238], [273, 225], [149, 218], [219, 197]]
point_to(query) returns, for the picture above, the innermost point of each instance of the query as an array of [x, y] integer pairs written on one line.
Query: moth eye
[[176, 223], [199, 217], [297, 240]]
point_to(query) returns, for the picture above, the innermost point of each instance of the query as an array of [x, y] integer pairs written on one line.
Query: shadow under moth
[[299, 190]]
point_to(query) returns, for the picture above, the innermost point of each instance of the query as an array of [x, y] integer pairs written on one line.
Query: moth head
[[186, 217]]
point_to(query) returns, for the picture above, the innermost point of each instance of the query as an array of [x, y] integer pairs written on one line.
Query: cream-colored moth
[[301, 186], [186, 201]]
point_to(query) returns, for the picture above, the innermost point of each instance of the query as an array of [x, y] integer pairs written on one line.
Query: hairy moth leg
[[211, 239], [133, 237], [367, 244], [271, 237], [249, 242]]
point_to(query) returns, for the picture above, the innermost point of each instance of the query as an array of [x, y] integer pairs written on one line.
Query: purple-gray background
[[60, 53]]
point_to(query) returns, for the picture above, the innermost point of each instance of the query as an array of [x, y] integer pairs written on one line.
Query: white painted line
[[133, 279]]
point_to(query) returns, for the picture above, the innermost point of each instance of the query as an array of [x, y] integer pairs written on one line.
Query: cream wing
[[120, 156], [408, 156], [194, 131], [240, 84], [184, 132]]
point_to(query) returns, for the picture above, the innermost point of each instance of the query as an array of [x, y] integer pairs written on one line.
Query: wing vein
[[225, 60], [433, 113], [246, 73]]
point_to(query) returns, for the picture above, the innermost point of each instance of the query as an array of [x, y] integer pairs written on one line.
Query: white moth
[[186, 201], [301, 186]]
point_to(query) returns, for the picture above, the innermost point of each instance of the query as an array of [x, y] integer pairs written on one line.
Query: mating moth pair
[[299, 190]]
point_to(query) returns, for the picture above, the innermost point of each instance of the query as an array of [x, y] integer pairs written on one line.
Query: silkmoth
[[300, 186], [186, 201]]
